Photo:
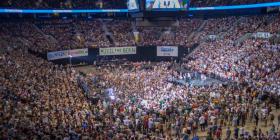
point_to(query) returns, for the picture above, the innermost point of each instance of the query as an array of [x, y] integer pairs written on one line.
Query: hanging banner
[[264, 35], [167, 51], [212, 37], [78, 52], [67, 53], [57, 55], [117, 51]]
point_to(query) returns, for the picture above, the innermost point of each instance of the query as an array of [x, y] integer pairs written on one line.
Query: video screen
[[167, 4], [132, 5]]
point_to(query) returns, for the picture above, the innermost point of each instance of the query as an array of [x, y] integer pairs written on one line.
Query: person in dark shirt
[[256, 119], [209, 136], [185, 136], [219, 133], [278, 120], [255, 132], [236, 132], [228, 133]]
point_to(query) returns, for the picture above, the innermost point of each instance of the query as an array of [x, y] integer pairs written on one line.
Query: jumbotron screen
[[167, 5], [132, 5]]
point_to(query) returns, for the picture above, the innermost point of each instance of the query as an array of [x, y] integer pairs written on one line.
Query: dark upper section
[[64, 4], [109, 4], [206, 3]]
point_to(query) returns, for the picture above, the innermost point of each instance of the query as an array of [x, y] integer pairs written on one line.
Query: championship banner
[[117, 51], [167, 51], [67, 53]]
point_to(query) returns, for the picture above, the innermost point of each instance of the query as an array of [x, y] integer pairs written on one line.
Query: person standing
[[256, 116], [185, 135], [209, 136], [195, 128], [236, 132], [228, 133], [277, 104], [255, 133], [242, 132], [278, 120], [219, 133], [195, 138], [150, 124], [271, 116], [202, 123]]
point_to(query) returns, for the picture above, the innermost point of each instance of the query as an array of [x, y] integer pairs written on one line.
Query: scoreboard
[[167, 5], [133, 5], [157, 8]]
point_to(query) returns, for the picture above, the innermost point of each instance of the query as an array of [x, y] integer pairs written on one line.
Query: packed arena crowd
[[55, 35], [38, 99], [43, 100], [242, 61]]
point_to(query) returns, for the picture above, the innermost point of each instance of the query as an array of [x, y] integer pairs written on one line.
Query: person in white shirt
[[202, 123], [166, 4], [126, 121], [150, 123]]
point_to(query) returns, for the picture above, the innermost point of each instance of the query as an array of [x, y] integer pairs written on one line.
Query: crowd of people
[[183, 35], [39, 100], [55, 35], [122, 32], [206, 3], [42, 100], [47, 35], [73, 34], [144, 105], [254, 60]]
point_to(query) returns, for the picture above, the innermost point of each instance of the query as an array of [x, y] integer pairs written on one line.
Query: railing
[[231, 7], [52, 11]]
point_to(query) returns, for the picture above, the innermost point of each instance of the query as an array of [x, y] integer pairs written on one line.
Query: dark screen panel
[[64, 4]]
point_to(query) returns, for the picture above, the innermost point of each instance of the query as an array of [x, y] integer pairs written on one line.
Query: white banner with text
[[117, 51], [67, 53], [167, 51]]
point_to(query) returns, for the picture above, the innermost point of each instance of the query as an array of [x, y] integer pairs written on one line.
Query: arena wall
[[143, 53]]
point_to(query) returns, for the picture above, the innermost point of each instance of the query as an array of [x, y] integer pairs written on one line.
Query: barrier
[[167, 51], [52, 11], [232, 7], [117, 51], [139, 53], [67, 54], [263, 35]]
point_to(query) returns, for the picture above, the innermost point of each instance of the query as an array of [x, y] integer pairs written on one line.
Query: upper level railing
[[51, 11], [248, 6]]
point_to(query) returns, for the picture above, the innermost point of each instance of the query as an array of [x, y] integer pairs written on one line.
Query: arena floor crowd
[[42, 100]]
